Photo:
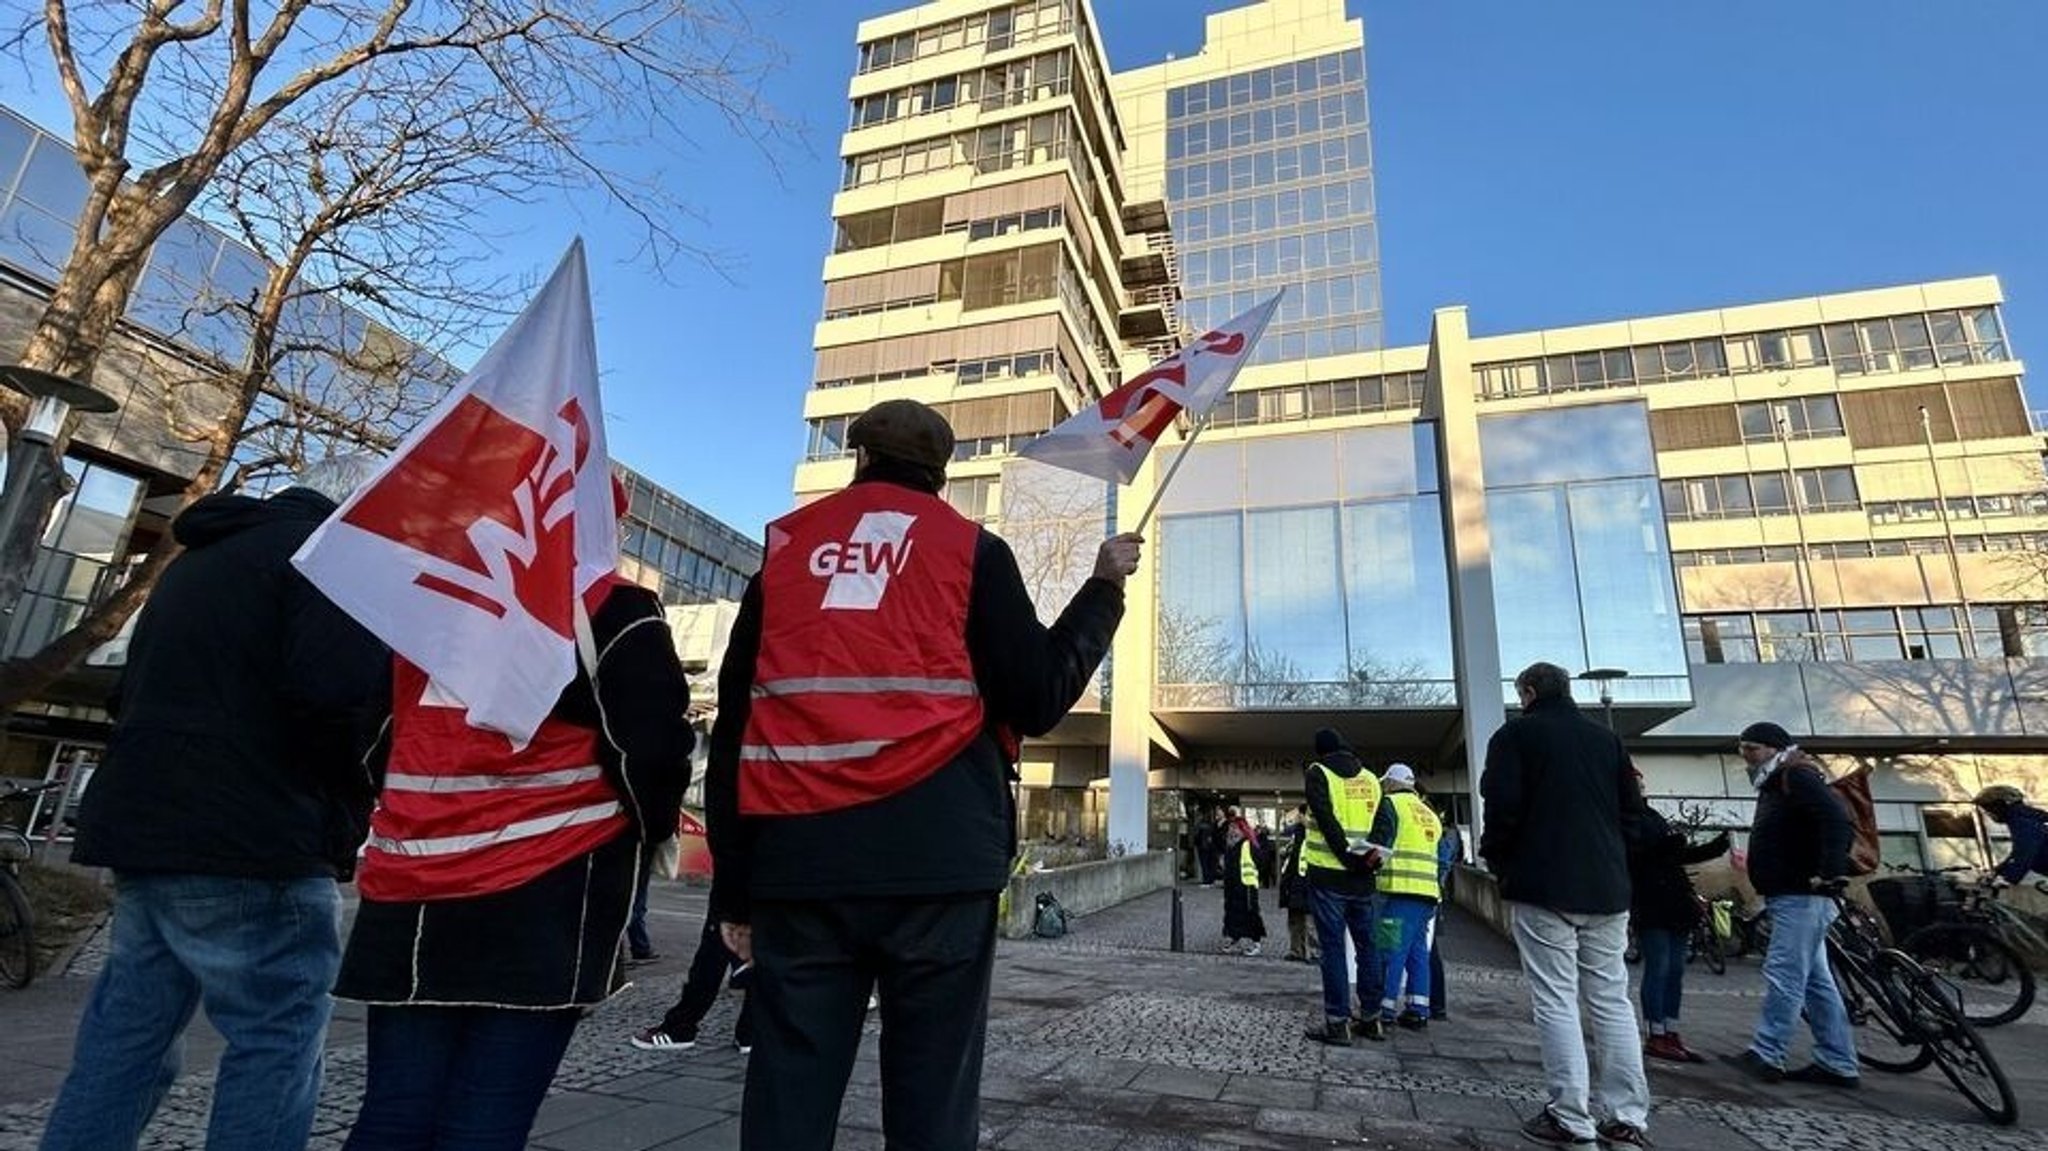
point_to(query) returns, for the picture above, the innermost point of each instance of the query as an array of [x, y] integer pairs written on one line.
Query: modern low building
[[678, 549], [1828, 512]]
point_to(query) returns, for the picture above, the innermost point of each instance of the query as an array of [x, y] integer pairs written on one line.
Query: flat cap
[[904, 430]]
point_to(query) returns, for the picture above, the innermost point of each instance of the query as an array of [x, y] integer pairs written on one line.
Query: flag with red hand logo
[[469, 550], [1110, 440]]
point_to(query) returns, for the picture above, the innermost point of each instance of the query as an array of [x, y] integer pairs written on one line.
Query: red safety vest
[[863, 685], [465, 813]]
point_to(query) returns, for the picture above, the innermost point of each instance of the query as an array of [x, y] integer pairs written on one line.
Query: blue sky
[[1543, 163]]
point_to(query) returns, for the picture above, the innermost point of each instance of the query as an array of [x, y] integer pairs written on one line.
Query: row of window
[[1003, 368], [1861, 549], [1237, 265], [1247, 171], [1261, 85], [1339, 200], [1035, 78], [985, 280], [1396, 392], [995, 31], [686, 573], [1947, 338], [1330, 112], [1959, 508], [1863, 635], [995, 148], [1759, 494], [828, 442]]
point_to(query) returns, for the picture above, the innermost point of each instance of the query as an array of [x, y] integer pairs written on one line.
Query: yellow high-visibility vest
[[1354, 800], [1411, 870], [1247, 864]]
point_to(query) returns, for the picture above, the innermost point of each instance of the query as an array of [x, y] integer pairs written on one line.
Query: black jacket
[[1663, 898], [1562, 806], [1800, 832], [953, 832], [244, 712], [1357, 877], [554, 940]]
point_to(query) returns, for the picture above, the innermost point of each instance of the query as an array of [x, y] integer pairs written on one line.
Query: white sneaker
[[874, 1001], [1229, 947], [1254, 949], [744, 1048]]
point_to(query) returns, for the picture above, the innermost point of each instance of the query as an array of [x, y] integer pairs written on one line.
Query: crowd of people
[[884, 665]]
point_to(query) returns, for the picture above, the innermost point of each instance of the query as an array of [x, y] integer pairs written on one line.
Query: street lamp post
[[1605, 677], [33, 466]]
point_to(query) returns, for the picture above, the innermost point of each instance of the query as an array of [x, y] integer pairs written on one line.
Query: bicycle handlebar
[[17, 791]]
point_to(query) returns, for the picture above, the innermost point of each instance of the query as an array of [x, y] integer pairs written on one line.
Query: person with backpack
[[1799, 843], [2008, 805]]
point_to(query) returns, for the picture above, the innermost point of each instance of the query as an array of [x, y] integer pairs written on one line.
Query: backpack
[[1853, 790], [1049, 921]]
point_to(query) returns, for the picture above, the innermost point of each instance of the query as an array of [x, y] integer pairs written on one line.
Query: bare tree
[[354, 145]]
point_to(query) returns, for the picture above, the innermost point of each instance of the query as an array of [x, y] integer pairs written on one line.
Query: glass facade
[[1582, 572], [1306, 571], [80, 559], [679, 550], [1269, 177]]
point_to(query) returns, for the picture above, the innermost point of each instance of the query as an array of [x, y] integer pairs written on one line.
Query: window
[[828, 438], [1720, 639], [1805, 417]]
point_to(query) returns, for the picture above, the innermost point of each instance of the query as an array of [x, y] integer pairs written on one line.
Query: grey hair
[[338, 477]]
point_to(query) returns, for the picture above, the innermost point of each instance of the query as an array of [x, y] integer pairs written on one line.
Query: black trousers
[[815, 964], [701, 987]]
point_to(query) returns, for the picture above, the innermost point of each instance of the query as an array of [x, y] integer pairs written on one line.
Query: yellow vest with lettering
[[1354, 800], [1412, 868]]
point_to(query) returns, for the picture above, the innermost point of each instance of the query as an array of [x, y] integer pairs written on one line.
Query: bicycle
[[1707, 943], [17, 919], [1908, 1016], [1976, 950]]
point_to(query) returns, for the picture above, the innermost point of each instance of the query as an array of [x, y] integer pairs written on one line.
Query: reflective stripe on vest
[[863, 685], [1247, 864], [1354, 801], [464, 813], [1412, 869]]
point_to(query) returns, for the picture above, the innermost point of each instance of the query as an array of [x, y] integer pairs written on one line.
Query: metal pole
[[1177, 934], [1172, 470], [1948, 531]]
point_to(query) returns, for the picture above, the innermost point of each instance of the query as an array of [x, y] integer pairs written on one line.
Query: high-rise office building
[[1829, 512]]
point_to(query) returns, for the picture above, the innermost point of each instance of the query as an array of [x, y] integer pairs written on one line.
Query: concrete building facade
[[1828, 512]]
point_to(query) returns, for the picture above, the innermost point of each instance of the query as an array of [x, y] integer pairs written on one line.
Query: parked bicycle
[[1980, 944], [1708, 942], [1908, 1016], [17, 919]]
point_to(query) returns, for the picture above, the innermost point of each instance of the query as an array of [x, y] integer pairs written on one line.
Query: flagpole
[[1172, 470]]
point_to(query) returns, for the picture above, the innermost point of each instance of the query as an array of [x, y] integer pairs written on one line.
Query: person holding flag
[[537, 743], [882, 667]]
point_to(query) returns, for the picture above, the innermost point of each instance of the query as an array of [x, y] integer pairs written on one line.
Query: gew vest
[[1412, 869], [863, 685], [1355, 801], [464, 813]]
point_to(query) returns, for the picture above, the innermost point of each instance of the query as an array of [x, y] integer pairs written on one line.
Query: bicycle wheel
[[1960, 1052], [17, 934], [1996, 983], [1886, 1040]]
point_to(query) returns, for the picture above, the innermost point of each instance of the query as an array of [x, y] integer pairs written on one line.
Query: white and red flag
[[1110, 440], [469, 551]]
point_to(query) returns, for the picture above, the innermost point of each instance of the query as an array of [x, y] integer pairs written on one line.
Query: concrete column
[[1450, 399], [1132, 658]]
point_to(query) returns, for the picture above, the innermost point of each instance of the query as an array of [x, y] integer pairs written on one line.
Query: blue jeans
[[1663, 975], [1404, 953], [1796, 976], [1335, 915], [457, 1078], [260, 955]]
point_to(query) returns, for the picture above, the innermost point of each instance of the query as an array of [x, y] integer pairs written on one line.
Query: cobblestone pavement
[[1105, 1040]]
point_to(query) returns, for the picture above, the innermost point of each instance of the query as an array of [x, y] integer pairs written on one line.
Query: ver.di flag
[[1111, 439], [469, 550]]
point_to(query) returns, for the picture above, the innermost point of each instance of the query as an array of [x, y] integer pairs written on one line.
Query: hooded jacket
[[244, 711]]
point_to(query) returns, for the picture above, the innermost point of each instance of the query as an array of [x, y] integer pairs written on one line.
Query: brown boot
[[1685, 1054], [1665, 1047]]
